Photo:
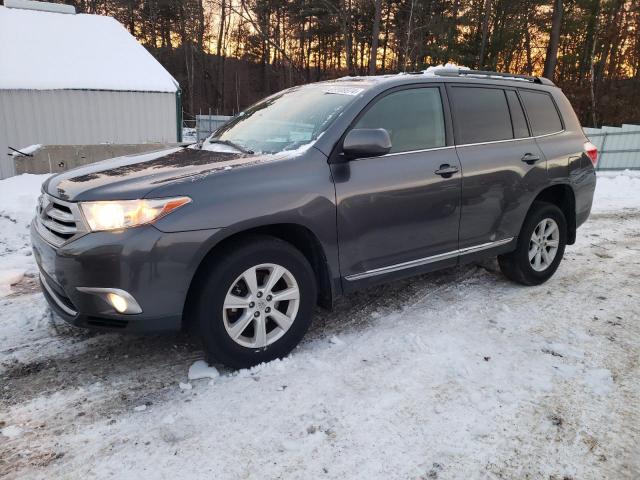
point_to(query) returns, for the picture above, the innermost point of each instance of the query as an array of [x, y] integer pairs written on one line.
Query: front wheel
[[540, 247], [256, 303]]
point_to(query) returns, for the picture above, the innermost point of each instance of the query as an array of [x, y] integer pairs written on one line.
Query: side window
[[541, 111], [520, 129], [480, 115], [413, 118]]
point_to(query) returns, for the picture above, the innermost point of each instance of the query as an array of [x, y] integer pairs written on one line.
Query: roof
[[51, 51]]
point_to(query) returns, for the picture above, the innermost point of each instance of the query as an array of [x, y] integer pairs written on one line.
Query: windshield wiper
[[235, 145]]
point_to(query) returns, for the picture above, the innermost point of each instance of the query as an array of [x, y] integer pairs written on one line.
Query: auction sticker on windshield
[[343, 90]]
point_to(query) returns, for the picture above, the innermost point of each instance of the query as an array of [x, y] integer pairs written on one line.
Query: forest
[[227, 54]]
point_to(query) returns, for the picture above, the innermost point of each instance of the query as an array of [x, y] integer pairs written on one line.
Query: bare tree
[[408, 41], [227, 54], [485, 32], [551, 59], [373, 57], [220, 57]]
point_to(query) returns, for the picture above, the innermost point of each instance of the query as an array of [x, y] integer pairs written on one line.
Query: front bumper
[[154, 267]]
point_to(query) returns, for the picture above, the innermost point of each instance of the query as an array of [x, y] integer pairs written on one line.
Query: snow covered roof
[[50, 51]]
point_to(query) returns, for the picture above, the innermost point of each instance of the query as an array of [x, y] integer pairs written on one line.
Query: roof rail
[[455, 72]]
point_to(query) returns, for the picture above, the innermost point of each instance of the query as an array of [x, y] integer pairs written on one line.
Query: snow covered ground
[[453, 375]]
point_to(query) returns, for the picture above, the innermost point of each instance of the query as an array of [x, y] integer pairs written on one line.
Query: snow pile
[[201, 369], [18, 197], [12, 431], [615, 189], [48, 51]]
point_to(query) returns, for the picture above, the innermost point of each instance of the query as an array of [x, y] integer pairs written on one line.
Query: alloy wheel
[[543, 245], [261, 305]]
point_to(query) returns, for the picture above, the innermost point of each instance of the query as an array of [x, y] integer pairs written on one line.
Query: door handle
[[446, 170], [530, 158]]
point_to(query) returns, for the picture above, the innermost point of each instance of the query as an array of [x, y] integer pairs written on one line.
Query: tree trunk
[[551, 59], [616, 28], [348, 37], [385, 42], [607, 42], [529, 21], [405, 57], [219, 54], [374, 36], [453, 30], [590, 40], [485, 33], [131, 22], [593, 79]]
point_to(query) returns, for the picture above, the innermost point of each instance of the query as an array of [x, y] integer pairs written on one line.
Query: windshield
[[285, 121]]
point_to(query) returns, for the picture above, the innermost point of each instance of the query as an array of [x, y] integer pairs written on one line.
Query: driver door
[[399, 213]]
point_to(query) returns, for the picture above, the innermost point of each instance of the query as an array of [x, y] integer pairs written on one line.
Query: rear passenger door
[[546, 125], [502, 166]]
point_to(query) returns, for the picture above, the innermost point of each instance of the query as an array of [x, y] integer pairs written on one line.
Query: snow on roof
[[433, 69], [430, 72], [51, 51]]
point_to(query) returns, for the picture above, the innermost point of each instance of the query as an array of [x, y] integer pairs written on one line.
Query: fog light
[[118, 302]]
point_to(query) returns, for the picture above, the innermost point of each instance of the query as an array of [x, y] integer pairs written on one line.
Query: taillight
[[592, 152]]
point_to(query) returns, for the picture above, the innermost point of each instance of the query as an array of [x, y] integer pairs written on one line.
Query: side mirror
[[366, 142]]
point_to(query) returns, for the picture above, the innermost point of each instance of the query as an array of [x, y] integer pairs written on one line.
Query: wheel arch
[[299, 236], [563, 196]]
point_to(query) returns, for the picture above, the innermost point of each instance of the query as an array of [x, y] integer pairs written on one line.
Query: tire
[[255, 305], [517, 265]]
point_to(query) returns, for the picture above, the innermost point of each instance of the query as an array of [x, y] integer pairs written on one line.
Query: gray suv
[[313, 193]]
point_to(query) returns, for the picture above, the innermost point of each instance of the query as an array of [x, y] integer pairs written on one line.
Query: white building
[[68, 79]]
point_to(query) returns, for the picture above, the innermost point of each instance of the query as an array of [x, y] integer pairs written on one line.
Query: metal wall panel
[[618, 147], [83, 117], [207, 124]]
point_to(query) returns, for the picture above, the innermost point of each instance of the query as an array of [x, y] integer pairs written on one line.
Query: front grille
[[59, 221]]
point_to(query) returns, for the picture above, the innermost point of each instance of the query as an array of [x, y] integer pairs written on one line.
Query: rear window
[[480, 115], [542, 112]]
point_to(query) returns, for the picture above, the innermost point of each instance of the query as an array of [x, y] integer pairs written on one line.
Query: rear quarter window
[[542, 112], [480, 115]]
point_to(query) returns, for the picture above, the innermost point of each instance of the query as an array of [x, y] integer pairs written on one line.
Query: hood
[[132, 177]]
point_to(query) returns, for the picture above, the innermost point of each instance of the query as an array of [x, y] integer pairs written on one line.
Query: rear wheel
[[540, 247], [256, 303]]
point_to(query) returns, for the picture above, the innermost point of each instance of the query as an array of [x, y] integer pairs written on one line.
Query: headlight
[[114, 215]]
